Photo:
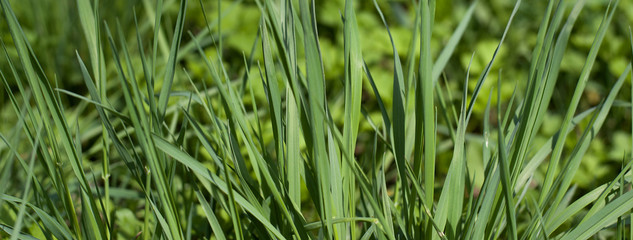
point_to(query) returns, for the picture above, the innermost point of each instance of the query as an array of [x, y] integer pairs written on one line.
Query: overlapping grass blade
[[588, 135], [561, 44], [202, 172], [54, 121], [316, 117], [397, 130], [240, 165], [596, 197], [606, 216], [580, 86], [504, 166]]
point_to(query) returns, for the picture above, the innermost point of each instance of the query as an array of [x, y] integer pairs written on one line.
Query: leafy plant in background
[[213, 162]]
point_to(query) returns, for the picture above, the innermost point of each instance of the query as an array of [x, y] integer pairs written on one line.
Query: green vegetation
[[161, 125]]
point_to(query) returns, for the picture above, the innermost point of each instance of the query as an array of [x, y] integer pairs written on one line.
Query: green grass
[[213, 162]]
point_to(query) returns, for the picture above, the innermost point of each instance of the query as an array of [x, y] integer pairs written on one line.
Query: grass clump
[[134, 158]]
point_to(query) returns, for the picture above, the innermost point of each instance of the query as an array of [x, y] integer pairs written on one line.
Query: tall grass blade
[[170, 69], [580, 86]]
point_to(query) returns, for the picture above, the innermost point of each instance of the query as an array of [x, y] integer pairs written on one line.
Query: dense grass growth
[[212, 162]]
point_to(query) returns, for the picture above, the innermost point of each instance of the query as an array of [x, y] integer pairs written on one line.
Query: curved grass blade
[[203, 172]]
